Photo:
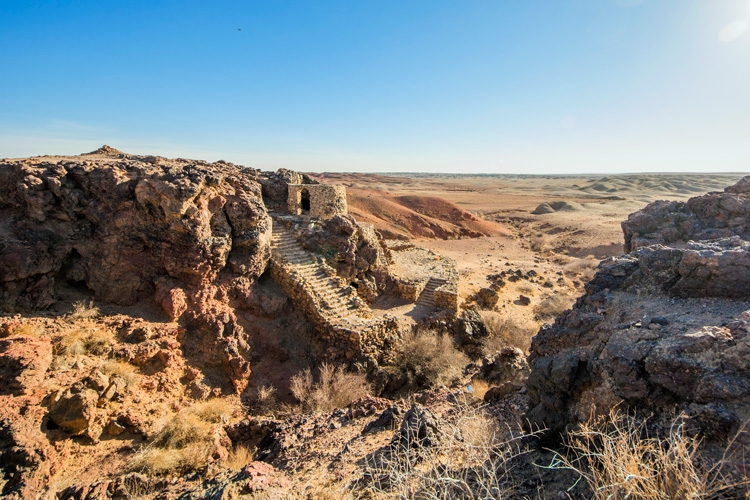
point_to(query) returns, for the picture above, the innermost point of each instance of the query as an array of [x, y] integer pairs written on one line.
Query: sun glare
[[733, 31]]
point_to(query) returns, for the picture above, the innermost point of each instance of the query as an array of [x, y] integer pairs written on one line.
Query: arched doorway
[[304, 203]]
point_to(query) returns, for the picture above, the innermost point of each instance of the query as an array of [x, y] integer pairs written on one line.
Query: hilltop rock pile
[[661, 330]]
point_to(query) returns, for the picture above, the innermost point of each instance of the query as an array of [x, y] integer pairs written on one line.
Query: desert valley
[[176, 328]]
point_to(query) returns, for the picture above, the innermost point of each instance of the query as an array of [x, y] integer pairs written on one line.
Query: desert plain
[[558, 225]]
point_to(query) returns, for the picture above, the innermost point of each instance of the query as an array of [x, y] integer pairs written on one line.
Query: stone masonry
[[343, 320], [316, 200]]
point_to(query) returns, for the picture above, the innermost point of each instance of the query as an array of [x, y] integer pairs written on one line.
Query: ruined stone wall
[[349, 343], [326, 200], [446, 296]]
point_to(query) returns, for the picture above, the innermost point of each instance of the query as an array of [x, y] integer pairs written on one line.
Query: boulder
[[74, 412], [419, 428], [505, 366]]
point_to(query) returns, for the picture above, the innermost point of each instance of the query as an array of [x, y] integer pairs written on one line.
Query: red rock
[[23, 363]]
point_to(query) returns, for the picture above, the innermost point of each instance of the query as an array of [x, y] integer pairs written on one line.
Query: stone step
[[339, 306]]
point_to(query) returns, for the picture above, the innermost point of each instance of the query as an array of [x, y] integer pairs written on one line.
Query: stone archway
[[304, 202]]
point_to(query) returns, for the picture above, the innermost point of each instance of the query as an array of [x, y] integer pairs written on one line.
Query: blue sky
[[504, 86]]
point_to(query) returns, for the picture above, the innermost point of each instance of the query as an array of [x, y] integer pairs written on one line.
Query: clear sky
[[503, 86]]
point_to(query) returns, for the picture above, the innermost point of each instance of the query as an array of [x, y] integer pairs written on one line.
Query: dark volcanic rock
[[419, 428], [711, 216], [653, 332], [660, 330], [505, 366]]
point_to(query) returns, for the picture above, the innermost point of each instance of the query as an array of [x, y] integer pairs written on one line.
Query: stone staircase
[[427, 297], [328, 301], [343, 320]]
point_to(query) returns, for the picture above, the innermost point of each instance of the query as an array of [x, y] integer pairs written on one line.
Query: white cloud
[[732, 31]]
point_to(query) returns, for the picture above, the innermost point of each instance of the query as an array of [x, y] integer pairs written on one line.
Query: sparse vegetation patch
[[185, 441], [429, 359], [334, 388]]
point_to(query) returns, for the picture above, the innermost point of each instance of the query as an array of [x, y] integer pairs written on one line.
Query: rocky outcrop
[[25, 452], [354, 250], [344, 321], [661, 330], [711, 216], [117, 225], [187, 234]]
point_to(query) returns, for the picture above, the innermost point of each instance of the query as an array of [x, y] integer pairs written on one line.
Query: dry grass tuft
[[185, 442], [334, 388], [82, 310], [239, 457], [96, 341], [505, 332], [552, 306], [541, 244], [584, 268], [27, 330], [479, 388], [121, 369], [429, 359], [619, 460], [471, 461], [264, 401]]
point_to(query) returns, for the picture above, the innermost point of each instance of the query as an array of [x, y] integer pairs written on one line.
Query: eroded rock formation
[[661, 330], [711, 216], [188, 234]]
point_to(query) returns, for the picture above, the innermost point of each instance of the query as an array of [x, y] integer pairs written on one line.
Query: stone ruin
[[316, 200], [334, 268], [195, 238]]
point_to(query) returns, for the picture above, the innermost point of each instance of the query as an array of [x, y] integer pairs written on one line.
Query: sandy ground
[[562, 246]]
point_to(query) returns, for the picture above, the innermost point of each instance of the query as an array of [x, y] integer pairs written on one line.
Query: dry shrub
[[82, 310], [552, 306], [479, 388], [239, 457], [540, 244], [619, 460], [121, 369], [335, 388], [265, 400], [471, 461], [505, 332], [27, 330], [429, 359], [185, 442], [96, 341]]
